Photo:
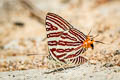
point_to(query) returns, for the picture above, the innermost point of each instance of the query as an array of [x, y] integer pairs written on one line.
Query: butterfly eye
[[92, 46]]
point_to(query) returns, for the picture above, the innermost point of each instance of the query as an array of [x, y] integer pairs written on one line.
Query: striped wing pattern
[[64, 41]]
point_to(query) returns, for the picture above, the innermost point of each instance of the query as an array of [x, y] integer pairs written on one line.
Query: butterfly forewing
[[64, 41]]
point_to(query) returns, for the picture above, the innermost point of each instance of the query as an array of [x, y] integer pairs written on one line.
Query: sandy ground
[[22, 33], [83, 72]]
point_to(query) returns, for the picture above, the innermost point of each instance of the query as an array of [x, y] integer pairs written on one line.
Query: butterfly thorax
[[88, 43]]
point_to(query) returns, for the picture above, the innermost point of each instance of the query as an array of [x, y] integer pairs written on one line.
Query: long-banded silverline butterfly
[[66, 43]]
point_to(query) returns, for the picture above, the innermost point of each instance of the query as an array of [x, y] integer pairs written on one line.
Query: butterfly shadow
[[60, 69]]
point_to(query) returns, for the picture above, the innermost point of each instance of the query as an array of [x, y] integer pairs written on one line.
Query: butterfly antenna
[[100, 42], [35, 54], [96, 36], [44, 39], [90, 31]]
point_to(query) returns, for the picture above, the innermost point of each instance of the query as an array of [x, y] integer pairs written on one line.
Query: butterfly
[[66, 43]]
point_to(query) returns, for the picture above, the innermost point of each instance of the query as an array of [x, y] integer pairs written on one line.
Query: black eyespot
[[92, 46]]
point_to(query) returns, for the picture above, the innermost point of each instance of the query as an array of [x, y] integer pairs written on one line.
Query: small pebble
[[13, 75], [108, 65], [20, 24], [117, 52]]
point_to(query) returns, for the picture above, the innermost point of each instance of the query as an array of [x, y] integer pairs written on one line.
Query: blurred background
[[22, 30]]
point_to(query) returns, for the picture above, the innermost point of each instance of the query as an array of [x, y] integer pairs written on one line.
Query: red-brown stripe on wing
[[68, 43], [82, 60], [63, 43], [50, 27], [79, 60], [78, 34], [76, 58], [68, 26], [67, 36], [74, 55], [55, 22], [54, 34]]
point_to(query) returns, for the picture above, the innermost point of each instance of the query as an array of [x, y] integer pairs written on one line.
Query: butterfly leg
[[62, 65], [52, 63]]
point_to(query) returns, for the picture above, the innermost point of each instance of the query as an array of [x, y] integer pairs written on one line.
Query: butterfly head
[[88, 43]]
